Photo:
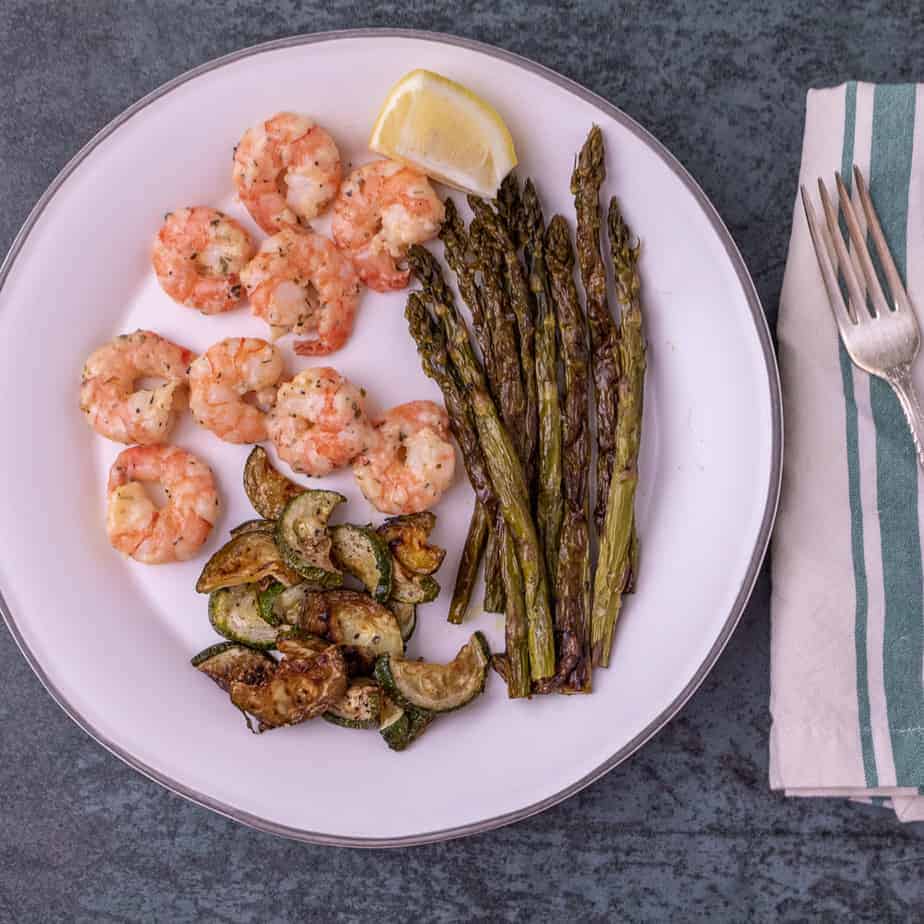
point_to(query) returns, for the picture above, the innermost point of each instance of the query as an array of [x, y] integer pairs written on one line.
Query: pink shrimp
[[318, 422], [198, 255], [286, 170], [382, 208], [299, 281], [411, 462], [220, 379], [108, 398], [176, 531]]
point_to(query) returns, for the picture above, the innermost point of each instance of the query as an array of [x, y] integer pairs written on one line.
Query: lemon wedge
[[446, 131]]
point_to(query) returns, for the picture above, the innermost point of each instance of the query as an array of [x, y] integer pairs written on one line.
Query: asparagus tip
[[590, 167]]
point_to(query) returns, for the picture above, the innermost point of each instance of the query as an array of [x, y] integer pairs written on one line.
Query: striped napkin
[[847, 653]]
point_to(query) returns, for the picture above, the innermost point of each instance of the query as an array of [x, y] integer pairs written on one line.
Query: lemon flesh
[[446, 131]]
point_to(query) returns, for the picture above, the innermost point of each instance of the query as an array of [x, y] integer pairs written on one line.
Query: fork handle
[[900, 380]]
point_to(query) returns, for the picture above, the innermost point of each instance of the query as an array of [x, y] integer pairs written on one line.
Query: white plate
[[111, 639]]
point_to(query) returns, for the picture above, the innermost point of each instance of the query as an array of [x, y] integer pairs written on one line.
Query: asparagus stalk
[[467, 573], [437, 366], [494, 584], [616, 552], [588, 176], [516, 622], [550, 503], [431, 344], [517, 289], [511, 393], [457, 248], [503, 467], [572, 614], [482, 305]]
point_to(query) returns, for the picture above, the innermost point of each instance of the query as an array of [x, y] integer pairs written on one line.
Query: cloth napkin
[[847, 650]]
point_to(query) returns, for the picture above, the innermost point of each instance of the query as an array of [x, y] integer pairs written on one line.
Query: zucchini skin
[[218, 619], [384, 675], [249, 665], [210, 652], [400, 733], [348, 540], [408, 587], [254, 526], [265, 600], [321, 570], [267, 489]]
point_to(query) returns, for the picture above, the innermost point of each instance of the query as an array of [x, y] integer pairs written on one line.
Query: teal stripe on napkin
[[896, 464], [861, 590]]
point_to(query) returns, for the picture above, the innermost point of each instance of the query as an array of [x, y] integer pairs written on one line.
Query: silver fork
[[881, 338]]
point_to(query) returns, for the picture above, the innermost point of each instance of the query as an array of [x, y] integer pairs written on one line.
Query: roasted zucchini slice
[[357, 621], [246, 559], [254, 526], [299, 689], [399, 726], [234, 612], [360, 551], [406, 614], [407, 587], [359, 707], [302, 536], [303, 607], [437, 687], [266, 598], [407, 538], [299, 645], [267, 489], [228, 662]]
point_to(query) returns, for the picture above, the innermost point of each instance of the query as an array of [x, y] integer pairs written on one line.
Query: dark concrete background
[[686, 829]]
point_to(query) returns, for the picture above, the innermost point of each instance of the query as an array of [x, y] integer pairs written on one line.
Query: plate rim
[[776, 449]]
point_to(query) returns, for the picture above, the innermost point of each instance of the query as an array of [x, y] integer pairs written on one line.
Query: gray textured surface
[[687, 828]]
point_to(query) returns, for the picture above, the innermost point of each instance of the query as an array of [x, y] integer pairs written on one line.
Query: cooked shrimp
[[286, 170], [382, 209], [411, 461], [220, 379], [198, 256], [114, 408], [177, 530], [318, 422], [300, 282]]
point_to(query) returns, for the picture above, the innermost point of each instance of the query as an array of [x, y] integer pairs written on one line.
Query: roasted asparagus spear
[[616, 540], [572, 611], [479, 527], [517, 289], [437, 366], [481, 538], [549, 504], [458, 252], [430, 338], [516, 620], [586, 180], [503, 465]]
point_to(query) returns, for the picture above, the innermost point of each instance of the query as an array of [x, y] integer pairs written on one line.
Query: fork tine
[[899, 296], [860, 250], [857, 296], [828, 273]]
